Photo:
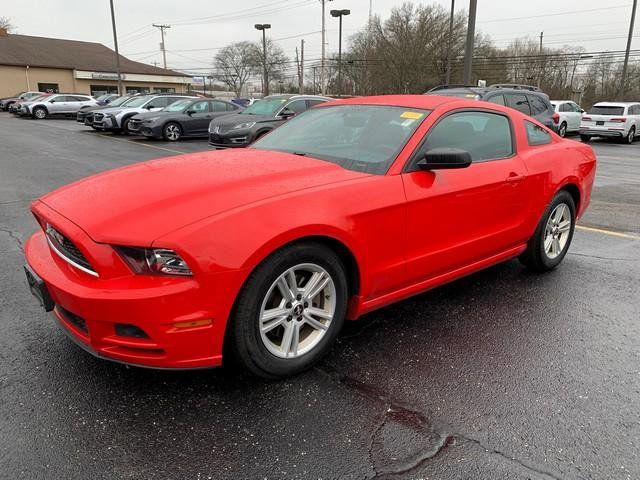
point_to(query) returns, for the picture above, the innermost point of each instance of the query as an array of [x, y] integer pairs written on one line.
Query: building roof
[[23, 50]]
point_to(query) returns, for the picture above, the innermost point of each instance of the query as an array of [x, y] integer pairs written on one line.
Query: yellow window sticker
[[412, 115]]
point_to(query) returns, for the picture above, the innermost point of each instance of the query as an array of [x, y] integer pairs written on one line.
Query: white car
[[58, 104], [569, 116], [116, 119], [619, 120]]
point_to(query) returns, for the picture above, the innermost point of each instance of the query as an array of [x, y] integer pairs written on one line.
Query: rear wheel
[[585, 138], [550, 242], [40, 113], [630, 136], [290, 311], [562, 131], [171, 132]]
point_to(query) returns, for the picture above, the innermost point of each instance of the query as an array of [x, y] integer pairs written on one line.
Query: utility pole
[[164, 52], [626, 55], [115, 44], [450, 44], [370, 11], [541, 60], [471, 33], [301, 67], [322, 56]]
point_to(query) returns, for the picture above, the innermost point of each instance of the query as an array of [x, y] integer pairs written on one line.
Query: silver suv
[[116, 119], [58, 104]]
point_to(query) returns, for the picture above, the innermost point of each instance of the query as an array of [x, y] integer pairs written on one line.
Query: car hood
[[96, 108], [137, 204], [236, 118]]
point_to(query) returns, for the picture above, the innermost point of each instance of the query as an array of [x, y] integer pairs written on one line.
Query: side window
[[499, 99], [486, 136], [519, 102], [634, 110], [230, 107], [159, 102], [536, 135], [297, 106], [565, 107], [81, 99], [200, 107], [312, 103], [218, 107], [538, 105]]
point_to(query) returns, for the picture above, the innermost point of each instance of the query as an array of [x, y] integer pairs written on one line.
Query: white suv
[[619, 120], [116, 119], [569, 116], [58, 104]]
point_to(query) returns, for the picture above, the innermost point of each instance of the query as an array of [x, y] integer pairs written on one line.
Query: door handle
[[514, 177]]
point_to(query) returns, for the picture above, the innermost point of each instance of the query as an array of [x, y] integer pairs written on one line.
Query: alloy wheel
[[297, 310], [40, 113], [172, 132], [563, 130], [557, 231]]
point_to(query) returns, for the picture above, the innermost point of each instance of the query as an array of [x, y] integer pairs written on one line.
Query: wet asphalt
[[501, 375]]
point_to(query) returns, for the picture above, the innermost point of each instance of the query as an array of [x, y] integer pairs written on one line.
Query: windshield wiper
[[300, 154]]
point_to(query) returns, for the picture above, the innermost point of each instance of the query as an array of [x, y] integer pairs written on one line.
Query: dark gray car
[[242, 129], [526, 99], [184, 118]]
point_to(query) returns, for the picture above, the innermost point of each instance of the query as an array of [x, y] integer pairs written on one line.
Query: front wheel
[[290, 311], [172, 132], [40, 113], [550, 242], [630, 136]]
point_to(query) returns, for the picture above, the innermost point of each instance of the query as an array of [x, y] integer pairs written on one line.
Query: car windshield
[[116, 102], [138, 101], [37, 99], [606, 110], [178, 106], [365, 138], [267, 106]]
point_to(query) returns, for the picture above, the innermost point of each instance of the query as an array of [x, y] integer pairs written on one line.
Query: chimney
[[3, 32]]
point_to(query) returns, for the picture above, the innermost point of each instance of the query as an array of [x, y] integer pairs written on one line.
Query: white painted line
[[608, 232]]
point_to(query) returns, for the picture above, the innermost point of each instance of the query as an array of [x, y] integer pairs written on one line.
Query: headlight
[[154, 261], [242, 126]]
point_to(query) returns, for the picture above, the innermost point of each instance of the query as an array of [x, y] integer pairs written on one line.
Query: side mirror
[[581, 110], [52, 100], [190, 112], [286, 113], [445, 158]]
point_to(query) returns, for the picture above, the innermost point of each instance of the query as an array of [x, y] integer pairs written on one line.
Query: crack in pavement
[[14, 235], [401, 413]]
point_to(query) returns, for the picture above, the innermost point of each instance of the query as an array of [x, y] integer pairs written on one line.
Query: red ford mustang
[[262, 253]]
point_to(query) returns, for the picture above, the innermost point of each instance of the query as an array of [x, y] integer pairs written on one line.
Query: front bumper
[[236, 139], [105, 123], [159, 310]]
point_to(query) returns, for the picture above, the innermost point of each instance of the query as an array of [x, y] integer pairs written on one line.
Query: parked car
[[524, 98], [569, 116], [6, 102], [263, 252], [244, 102], [620, 120], [116, 119], [106, 99], [56, 104], [85, 114], [17, 105], [185, 118], [243, 128]]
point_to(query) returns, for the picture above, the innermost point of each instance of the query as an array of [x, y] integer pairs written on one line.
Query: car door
[[57, 104], [197, 122], [296, 107], [634, 112], [574, 116], [458, 217]]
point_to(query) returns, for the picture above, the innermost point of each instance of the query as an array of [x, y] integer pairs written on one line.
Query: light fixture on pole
[[264, 27], [339, 14]]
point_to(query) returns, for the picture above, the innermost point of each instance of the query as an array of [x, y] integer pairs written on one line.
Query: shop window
[[138, 90], [164, 90], [97, 90], [48, 87]]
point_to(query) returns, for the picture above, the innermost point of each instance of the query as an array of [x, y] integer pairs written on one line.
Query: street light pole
[[471, 32], [626, 55], [322, 72], [450, 43], [340, 14], [115, 44], [264, 27]]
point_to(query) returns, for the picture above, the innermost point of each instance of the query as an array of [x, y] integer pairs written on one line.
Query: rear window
[[606, 110], [538, 105]]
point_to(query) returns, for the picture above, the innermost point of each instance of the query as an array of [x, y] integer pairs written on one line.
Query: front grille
[[73, 319], [98, 116], [67, 249], [134, 124]]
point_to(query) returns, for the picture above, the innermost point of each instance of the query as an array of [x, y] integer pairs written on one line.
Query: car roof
[[614, 104], [289, 96], [562, 101], [426, 102]]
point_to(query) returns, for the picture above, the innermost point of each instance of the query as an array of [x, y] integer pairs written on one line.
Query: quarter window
[[499, 99], [200, 107], [536, 135], [218, 106], [519, 102], [297, 106], [486, 136]]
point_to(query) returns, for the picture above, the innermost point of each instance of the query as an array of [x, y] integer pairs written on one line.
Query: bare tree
[[233, 65], [5, 22], [276, 64]]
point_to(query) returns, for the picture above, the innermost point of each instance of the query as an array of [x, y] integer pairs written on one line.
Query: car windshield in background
[[103, 97], [178, 106], [365, 138], [120, 101], [606, 110], [268, 106], [138, 101], [36, 99]]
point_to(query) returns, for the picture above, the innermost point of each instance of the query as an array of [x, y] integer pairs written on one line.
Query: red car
[[262, 253]]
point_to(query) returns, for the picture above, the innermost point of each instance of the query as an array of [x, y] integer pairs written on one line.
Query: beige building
[[54, 65]]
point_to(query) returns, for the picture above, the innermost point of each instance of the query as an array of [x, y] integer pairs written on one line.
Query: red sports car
[[262, 253]]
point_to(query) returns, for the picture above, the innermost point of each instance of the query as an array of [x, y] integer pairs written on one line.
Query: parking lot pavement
[[502, 375]]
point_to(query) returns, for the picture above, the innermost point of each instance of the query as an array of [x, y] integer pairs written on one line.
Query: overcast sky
[[200, 27]]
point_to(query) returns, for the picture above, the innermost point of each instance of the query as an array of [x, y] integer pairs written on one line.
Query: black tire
[[562, 130], [630, 136], [585, 138], [124, 128], [39, 113], [535, 256], [172, 132], [244, 340]]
